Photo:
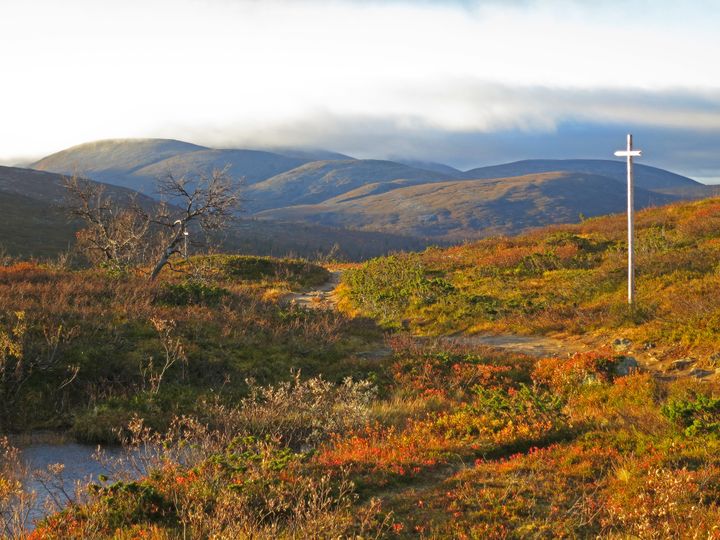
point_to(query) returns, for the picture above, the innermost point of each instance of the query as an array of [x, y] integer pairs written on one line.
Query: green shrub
[[127, 503], [191, 292], [508, 406], [295, 271], [700, 416], [384, 288]]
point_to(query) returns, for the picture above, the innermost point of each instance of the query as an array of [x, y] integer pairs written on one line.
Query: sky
[[466, 82]]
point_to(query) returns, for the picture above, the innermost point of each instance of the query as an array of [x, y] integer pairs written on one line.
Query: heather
[[458, 442], [568, 279], [242, 414]]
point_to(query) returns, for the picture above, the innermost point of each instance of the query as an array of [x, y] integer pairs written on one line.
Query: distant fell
[[321, 180], [464, 209], [111, 158], [415, 198], [307, 154], [646, 177], [246, 166], [447, 170], [138, 163]]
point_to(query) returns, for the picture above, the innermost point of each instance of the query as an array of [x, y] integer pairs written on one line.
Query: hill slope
[[407, 198], [566, 278], [321, 180], [474, 208], [137, 163], [113, 159], [446, 170], [35, 225], [646, 177], [248, 166], [447, 437]]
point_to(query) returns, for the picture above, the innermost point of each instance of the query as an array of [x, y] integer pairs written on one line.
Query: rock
[[681, 363], [621, 344], [625, 366], [701, 373]]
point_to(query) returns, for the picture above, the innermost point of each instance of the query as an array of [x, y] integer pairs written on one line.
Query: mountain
[[312, 154], [137, 163], [446, 170], [646, 177], [248, 166], [408, 198], [113, 160], [321, 180], [456, 210]]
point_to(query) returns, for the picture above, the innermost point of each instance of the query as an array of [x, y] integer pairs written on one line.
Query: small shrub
[[567, 376], [385, 287], [497, 420], [191, 292], [455, 374], [295, 271], [298, 413], [699, 416]]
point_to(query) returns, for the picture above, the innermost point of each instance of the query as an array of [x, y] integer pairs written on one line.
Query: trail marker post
[[629, 153]]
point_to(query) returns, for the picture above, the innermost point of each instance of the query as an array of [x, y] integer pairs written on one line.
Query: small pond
[[40, 450]]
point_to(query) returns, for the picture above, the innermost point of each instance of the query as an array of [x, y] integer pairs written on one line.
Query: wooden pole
[[631, 224], [629, 153]]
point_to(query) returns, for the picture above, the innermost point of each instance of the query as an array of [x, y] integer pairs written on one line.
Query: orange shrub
[[379, 453], [565, 376], [24, 272]]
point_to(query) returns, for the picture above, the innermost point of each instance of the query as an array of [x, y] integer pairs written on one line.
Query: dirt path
[[540, 346], [322, 297]]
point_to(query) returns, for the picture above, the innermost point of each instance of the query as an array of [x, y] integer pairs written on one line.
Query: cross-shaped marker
[[629, 153]]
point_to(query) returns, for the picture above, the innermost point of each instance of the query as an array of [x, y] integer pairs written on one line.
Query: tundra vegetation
[[245, 417]]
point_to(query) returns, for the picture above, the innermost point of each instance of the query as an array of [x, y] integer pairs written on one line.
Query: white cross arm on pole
[[628, 153]]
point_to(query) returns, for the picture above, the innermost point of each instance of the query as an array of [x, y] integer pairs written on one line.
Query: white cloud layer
[[280, 72]]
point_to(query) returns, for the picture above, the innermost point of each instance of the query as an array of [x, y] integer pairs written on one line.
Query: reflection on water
[[80, 466]]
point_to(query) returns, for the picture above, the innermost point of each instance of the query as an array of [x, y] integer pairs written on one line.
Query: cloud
[[473, 124], [354, 75]]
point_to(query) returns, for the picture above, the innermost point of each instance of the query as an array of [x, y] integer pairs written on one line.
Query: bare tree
[[119, 235], [116, 233], [206, 200]]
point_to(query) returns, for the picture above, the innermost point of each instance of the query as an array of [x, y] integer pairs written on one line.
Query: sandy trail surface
[[322, 297]]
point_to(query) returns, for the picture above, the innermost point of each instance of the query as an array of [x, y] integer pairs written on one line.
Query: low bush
[[300, 414], [296, 272], [568, 376], [191, 292], [698, 416], [196, 481]]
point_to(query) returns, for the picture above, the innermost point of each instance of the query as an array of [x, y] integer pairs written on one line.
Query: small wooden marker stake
[[629, 153]]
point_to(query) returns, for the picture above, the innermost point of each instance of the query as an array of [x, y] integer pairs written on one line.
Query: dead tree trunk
[[172, 248]]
